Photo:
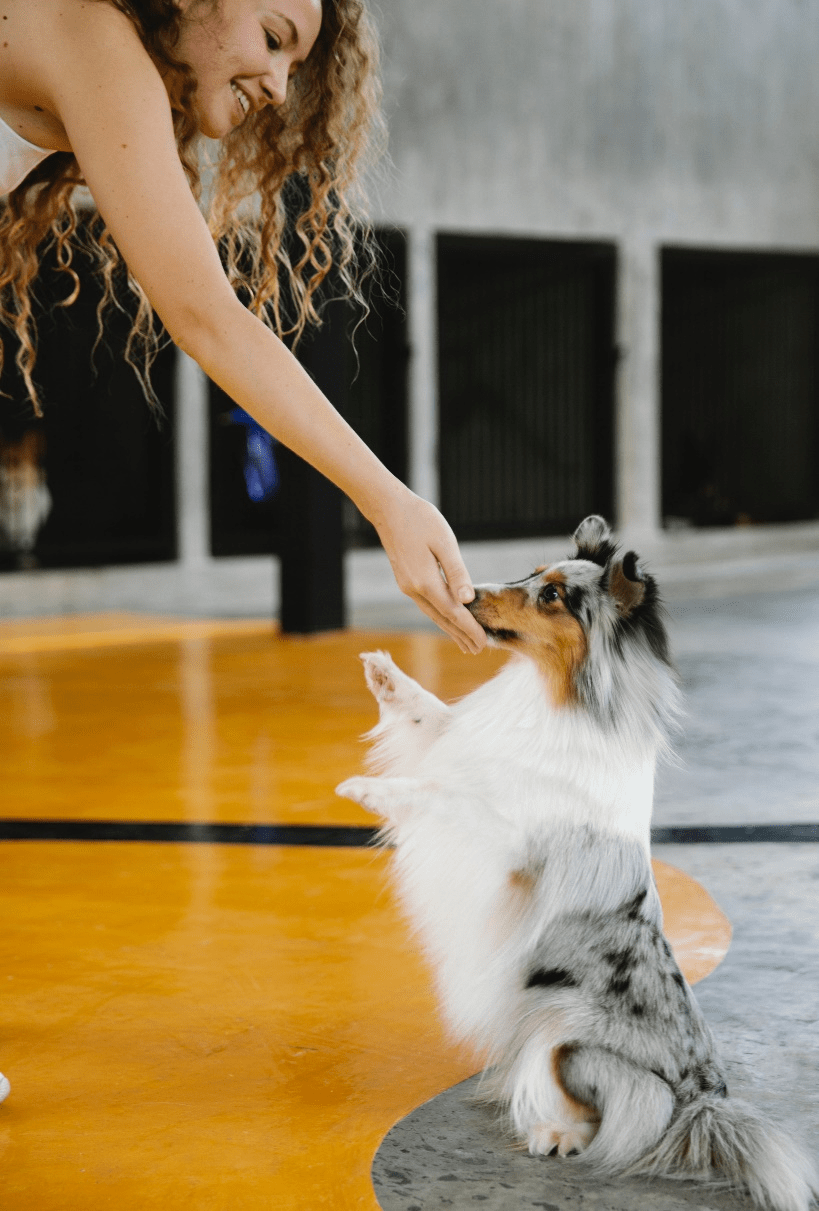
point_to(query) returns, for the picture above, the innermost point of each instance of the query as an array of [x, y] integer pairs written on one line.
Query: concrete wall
[[645, 122], [651, 120]]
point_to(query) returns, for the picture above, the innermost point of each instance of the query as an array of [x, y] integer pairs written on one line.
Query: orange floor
[[212, 1026]]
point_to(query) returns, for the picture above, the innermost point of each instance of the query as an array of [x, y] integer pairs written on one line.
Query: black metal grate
[[740, 386], [526, 356], [108, 459]]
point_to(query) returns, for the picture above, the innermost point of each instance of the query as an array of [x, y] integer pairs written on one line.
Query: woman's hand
[[420, 545]]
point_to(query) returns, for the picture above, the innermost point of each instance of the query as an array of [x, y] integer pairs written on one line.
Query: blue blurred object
[[260, 468]]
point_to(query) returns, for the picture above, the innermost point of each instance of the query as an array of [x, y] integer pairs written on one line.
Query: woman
[[121, 87]]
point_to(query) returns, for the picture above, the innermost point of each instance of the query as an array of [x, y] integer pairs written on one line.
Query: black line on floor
[[720, 834], [347, 835], [209, 834]]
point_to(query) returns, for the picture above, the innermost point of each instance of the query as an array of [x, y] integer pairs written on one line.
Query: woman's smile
[[242, 98]]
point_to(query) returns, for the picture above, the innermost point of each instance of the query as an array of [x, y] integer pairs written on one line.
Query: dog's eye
[[548, 593]]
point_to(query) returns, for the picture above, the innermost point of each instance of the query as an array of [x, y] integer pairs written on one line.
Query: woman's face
[[244, 52]]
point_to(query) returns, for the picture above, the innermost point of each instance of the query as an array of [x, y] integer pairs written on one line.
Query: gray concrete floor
[[749, 754], [749, 750]]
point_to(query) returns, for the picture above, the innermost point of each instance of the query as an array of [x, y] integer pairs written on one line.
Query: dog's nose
[[470, 605]]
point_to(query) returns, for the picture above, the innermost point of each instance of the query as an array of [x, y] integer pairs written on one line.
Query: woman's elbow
[[201, 330]]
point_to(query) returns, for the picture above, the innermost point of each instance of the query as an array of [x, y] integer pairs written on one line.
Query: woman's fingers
[[467, 646], [458, 590], [450, 594], [438, 603], [454, 569]]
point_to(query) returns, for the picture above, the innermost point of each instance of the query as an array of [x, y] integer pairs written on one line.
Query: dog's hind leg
[[635, 1105], [542, 1110]]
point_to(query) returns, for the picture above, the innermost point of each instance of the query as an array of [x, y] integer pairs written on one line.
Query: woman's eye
[[273, 42]]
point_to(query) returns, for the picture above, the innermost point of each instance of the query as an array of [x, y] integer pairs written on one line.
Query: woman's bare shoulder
[[68, 55], [55, 16], [93, 24], [40, 42], [50, 40]]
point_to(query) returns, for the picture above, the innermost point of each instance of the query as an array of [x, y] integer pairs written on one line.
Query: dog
[[520, 818]]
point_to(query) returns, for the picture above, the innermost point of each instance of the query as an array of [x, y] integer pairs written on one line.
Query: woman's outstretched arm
[[105, 89]]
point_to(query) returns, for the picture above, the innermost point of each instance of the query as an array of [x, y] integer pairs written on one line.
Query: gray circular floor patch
[[451, 1152]]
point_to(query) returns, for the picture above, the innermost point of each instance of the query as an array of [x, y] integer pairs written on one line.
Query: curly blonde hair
[[287, 204]]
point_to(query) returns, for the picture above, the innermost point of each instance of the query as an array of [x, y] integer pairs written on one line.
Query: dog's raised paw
[[379, 671], [361, 790], [390, 798], [353, 788], [558, 1139]]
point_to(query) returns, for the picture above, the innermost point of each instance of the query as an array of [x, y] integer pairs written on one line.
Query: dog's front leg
[[397, 799], [391, 798], [402, 702]]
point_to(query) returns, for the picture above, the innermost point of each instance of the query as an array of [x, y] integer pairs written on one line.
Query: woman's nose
[[274, 85]]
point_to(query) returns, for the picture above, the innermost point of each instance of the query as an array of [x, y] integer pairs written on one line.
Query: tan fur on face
[[550, 634]]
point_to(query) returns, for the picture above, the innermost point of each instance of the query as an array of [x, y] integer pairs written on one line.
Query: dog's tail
[[718, 1137], [711, 1139]]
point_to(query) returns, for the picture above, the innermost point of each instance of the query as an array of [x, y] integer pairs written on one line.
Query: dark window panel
[[740, 372], [525, 360]]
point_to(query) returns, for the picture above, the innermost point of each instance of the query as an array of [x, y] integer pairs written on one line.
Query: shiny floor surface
[[206, 1025]]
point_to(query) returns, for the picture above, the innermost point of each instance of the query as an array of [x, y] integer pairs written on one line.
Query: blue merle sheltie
[[520, 818]]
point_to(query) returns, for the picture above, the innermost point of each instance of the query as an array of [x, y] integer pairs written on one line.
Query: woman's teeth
[[243, 101]]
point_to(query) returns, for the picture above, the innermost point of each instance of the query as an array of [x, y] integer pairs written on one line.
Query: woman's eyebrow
[[294, 33]]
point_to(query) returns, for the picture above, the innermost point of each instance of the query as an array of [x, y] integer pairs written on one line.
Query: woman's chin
[[215, 125], [212, 130]]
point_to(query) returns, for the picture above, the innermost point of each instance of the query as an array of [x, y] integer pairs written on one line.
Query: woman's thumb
[[457, 578]]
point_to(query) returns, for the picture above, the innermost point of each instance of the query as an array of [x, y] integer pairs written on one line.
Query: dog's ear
[[593, 538], [626, 584]]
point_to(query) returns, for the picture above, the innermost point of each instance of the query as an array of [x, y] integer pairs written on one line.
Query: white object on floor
[[5, 1087]]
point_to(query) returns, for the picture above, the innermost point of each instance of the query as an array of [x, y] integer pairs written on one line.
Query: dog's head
[[578, 617]]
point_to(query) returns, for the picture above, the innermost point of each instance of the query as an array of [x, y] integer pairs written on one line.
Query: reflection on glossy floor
[[212, 1026], [224, 723]]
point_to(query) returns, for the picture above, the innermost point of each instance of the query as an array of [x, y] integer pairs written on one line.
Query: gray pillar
[[192, 488], [637, 429], [422, 323]]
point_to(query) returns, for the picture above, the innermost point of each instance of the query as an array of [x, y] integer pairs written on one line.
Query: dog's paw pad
[[379, 671], [550, 1139]]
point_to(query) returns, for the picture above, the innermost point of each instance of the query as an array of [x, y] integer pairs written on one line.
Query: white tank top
[[17, 157]]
